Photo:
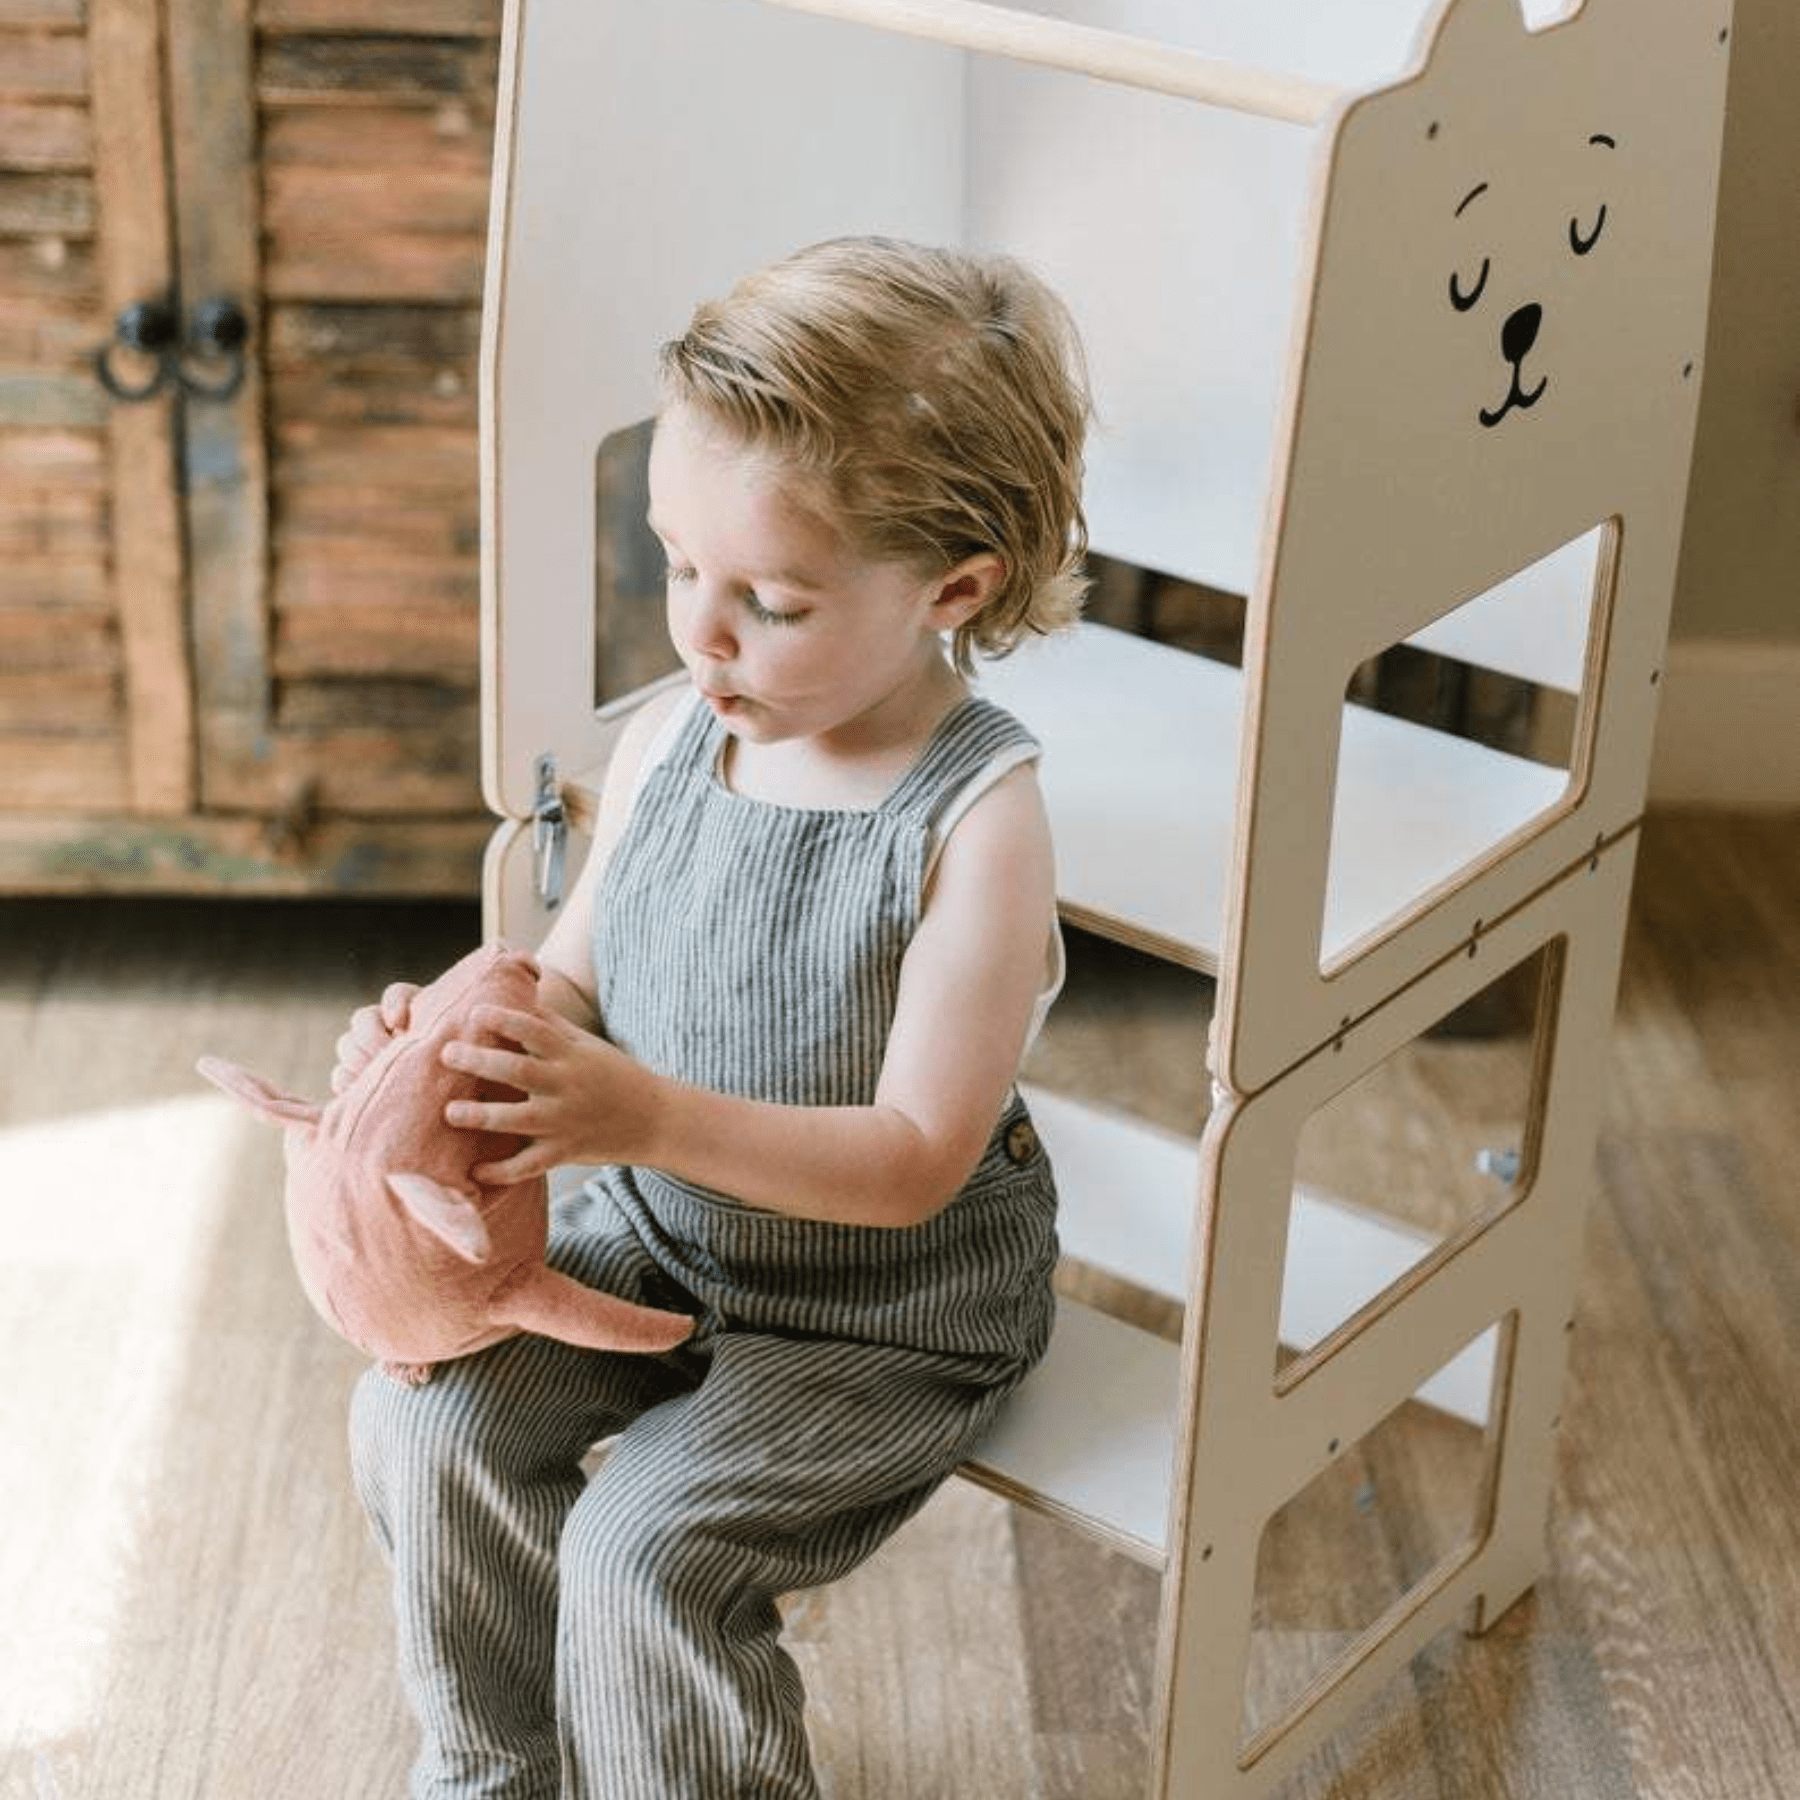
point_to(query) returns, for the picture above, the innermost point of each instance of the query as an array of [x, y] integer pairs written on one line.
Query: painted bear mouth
[[1516, 397]]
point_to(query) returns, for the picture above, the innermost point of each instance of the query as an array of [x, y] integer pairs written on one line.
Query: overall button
[[1021, 1143]]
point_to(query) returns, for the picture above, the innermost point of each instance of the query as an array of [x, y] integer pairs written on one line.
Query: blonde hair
[[938, 400]]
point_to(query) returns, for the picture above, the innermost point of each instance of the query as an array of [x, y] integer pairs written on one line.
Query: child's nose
[[709, 628]]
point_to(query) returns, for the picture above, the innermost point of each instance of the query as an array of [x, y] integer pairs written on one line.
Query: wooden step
[[1140, 773], [1090, 1436]]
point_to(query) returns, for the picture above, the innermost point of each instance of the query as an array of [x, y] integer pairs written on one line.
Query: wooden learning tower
[[1395, 314]]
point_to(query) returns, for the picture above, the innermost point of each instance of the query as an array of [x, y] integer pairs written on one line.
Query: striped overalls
[[617, 1639]]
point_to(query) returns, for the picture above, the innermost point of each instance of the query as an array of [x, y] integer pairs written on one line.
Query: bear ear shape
[[451, 1217], [1473, 29], [266, 1102]]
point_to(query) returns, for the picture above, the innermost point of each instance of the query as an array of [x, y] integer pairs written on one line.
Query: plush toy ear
[[266, 1102], [446, 1214]]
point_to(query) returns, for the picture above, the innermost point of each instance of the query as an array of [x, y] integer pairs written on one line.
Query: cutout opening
[[1348, 1560], [1166, 609], [1409, 1164], [631, 639], [1117, 1086], [1462, 740]]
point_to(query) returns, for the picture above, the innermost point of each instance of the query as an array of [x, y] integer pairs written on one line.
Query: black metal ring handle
[[218, 331], [150, 328]]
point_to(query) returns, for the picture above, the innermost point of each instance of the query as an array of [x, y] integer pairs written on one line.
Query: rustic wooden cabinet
[[239, 614]]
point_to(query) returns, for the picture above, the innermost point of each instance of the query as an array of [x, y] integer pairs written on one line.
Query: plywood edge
[[491, 420]]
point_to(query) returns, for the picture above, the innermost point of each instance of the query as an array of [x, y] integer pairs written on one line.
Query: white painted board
[[1140, 773]]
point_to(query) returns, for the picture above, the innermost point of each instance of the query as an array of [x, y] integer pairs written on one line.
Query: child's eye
[[677, 572], [765, 615], [1581, 242], [1459, 298]]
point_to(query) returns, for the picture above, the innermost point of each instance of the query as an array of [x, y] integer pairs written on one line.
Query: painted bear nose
[[1520, 331]]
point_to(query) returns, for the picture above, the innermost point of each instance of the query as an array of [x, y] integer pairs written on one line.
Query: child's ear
[[964, 590]]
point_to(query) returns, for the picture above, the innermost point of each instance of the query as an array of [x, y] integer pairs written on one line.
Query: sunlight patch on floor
[[109, 1221]]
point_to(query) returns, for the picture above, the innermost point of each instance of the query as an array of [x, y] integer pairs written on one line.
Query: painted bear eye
[[1582, 242], [1463, 301]]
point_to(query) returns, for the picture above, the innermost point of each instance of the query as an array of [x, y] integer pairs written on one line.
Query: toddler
[[783, 1011]]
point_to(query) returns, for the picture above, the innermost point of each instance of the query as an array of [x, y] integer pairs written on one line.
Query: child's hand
[[584, 1101], [371, 1030]]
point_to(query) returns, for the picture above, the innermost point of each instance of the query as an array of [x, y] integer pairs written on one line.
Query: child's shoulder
[[996, 821]]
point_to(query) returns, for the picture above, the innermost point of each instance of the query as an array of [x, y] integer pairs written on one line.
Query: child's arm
[[968, 987]]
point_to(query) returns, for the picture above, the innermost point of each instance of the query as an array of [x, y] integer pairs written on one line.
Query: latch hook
[[549, 833]]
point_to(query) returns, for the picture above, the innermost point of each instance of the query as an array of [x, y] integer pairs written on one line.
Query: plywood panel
[[1491, 366], [588, 262], [1254, 1440]]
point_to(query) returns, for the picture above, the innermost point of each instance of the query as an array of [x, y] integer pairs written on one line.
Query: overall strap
[[974, 738]]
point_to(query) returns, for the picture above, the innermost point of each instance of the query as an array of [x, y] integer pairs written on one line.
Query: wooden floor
[[190, 1609]]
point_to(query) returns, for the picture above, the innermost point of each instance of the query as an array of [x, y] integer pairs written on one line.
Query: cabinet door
[[332, 175], [95, 710]]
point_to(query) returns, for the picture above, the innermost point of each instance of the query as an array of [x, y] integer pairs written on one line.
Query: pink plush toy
[[398, 1248]]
